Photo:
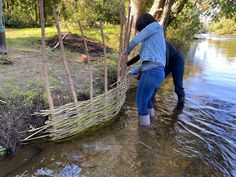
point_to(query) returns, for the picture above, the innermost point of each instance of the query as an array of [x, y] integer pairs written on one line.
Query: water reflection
[[200, 141]]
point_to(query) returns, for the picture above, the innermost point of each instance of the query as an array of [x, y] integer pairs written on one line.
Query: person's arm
[[133, 60], [141, 36]]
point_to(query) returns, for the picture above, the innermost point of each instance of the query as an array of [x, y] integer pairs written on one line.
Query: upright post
[[72, 88], [43, 57], [127, 41], [105, 59], [121, 41], [3, 47], [89, 61]]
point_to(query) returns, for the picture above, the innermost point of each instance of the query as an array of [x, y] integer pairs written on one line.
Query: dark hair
[[143, 21]]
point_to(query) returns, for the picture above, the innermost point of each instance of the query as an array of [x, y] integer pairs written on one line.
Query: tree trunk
[[137, 8], [166, 13], [157, 9], [36, 12]]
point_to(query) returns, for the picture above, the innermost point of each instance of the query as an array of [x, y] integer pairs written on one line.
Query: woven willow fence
[[79, 117]]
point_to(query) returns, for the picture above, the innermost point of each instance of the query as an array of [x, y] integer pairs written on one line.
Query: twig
[[63, 37], [4, 102], [145, 145]]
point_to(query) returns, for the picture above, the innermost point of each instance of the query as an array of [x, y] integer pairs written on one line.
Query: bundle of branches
[[76, 119]]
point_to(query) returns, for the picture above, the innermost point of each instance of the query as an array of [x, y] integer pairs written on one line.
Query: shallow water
[[200, 141]]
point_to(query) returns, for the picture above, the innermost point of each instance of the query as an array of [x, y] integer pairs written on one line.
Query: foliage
[[25, 13], [17, 19], [29, 95], [227, 8], [184, 26], [90, 11], [223, 26]]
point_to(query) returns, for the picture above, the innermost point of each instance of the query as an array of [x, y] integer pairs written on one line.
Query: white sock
[[144, 120], [151, 112]]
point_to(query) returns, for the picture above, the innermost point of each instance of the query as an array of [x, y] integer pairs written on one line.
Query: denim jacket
[[153, 46]]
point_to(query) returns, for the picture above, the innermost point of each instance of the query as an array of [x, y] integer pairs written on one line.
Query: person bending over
[[175, 65]]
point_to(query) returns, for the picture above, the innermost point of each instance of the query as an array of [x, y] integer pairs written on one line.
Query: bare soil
[[75, 43]]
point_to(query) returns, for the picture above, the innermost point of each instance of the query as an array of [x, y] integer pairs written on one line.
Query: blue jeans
[[177, 70], [150, 81]]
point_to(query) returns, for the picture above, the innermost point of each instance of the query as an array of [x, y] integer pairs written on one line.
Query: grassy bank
[[30, 37]]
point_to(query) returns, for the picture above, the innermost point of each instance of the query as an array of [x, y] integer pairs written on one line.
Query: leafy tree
[[90, 11], [184, 26], [25, 13], [223, 8]]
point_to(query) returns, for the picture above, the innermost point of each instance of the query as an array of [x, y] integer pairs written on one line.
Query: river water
[[200, 141]]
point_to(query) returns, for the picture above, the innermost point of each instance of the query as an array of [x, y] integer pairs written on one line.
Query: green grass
[[28, 37]]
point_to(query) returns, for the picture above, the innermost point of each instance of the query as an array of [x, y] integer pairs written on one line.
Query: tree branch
[[157, 9]]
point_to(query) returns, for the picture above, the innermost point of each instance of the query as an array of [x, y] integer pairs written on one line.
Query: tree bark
[[36, 12], [157, 9], [137, 8], [166, 13]]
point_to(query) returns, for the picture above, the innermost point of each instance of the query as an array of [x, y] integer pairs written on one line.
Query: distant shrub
[[182, 30], [89, 12], [18, 19], [223, 26]]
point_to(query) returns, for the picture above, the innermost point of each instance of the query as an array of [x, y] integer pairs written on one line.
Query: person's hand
[[123, 55], [129, 73]]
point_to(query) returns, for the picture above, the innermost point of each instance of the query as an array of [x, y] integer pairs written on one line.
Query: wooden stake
[[127, 42], [89, 61], [127, 28], [43, 58], [105, 59], [64, 58], [121, 41]]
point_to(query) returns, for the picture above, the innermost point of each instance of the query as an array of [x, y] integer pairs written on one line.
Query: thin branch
[[105, 58], [68, 72], [89, 61]]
